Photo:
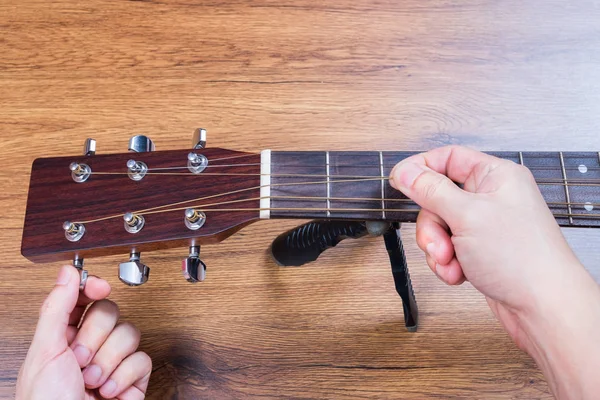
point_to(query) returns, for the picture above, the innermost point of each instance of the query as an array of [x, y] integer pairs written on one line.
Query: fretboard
[[354, 185]]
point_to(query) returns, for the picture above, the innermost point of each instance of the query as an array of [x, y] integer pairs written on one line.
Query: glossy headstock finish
[[55, 198]]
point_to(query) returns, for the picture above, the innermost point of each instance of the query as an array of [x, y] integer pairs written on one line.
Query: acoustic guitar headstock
[[92, 205]]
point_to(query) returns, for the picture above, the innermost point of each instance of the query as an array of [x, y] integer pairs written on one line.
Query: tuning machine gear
[[199, 139], [193, 269], [89, 147], [83, 274], [141, 144], [133, 272]]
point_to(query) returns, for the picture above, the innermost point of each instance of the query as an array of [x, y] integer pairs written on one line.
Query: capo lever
[[306, 242]]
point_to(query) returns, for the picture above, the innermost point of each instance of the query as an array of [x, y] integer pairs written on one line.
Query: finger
[[431, 262], [433, 237], [71, 333], [451, 273], [429, 189], [121, 342], [51, 331], [95, 289], [99, 321], [456, 162], [427, 178], [130, 379]]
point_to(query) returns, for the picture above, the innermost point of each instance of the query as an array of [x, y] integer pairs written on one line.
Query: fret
[[382, 184], [521, 158], [355, 163], [328, 185], [566, 184], [582, 167], [390, 159], [265, 184], [287, 192]]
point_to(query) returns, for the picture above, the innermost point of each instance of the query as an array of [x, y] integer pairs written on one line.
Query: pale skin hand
[[498, 233], [96, 361]]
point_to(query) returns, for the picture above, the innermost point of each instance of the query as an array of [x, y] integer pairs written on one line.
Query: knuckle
[[432, 186]]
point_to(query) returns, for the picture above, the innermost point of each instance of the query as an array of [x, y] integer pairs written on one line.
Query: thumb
[[429, 189], [51, 331]]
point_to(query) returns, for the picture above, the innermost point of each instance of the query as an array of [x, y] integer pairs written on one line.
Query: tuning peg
[[141, 144], [199, 139], [89, 147], [133, 272], [83, 274], [194, 270]]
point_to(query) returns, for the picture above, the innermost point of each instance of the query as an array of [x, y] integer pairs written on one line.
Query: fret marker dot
[[588, 206], [582, 168]]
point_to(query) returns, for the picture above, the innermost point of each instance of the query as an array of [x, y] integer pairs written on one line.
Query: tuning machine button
[[89, 147], [133, 272], [83, 274], [141, 144], [199, 139], [193, 269]]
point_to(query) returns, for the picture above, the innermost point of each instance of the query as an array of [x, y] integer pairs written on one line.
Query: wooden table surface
[[341, 75]]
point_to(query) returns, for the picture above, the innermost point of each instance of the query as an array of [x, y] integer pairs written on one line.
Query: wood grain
[[344, 75]]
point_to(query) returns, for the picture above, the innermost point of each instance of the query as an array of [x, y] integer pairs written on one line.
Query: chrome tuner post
[[133, 272], [133, 223], [80, 172], [141, 144], [83, 274], [89, 147], [199, 139], [136, 170], [193, 269], [194, 219], [73, 231], [196, 163]]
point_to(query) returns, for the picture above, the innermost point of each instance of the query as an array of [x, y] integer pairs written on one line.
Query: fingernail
[[63, 276], [430, 248], [404, 175], [109, 388], [92, 374], [82, 354]]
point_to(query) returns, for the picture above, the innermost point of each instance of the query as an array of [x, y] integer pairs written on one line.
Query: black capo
[[306, 242]]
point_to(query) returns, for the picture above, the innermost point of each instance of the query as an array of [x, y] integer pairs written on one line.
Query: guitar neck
[[354, 186]]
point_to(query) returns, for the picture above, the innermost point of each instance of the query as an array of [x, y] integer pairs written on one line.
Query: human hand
[[97, 360], [497, 232]]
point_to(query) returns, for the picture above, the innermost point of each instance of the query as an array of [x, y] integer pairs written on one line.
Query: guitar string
[[243, 190], [390, 210], [251, 188], [202, 207], [503, 155], [229, 193], [549, 181], [533, 167]]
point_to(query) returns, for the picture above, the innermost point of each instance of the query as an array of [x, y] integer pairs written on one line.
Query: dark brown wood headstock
[[54, 197]]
